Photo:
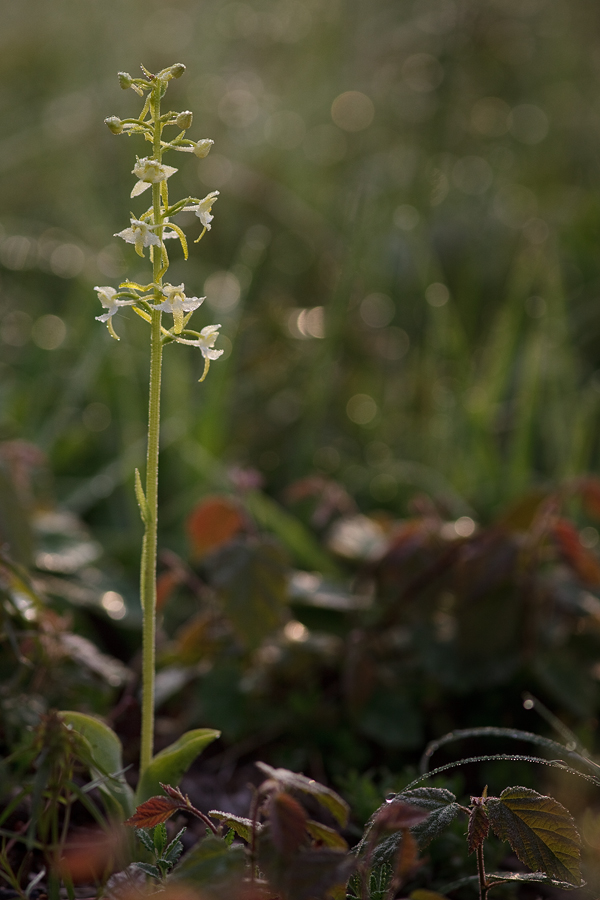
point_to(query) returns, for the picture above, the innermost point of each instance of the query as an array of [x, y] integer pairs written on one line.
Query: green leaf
[[169, 766], [251, 575], [540, 831], [106, 759], [241, 826], [211, 864], [327, 836], [143, 836], [296, 782], [149, 869], [442, 807]]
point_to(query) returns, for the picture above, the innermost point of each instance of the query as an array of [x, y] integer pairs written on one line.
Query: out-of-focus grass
[[407, 278]]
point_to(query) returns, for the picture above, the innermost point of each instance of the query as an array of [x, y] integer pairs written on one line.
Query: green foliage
[[540, 831], [170, 764], [106, 759]]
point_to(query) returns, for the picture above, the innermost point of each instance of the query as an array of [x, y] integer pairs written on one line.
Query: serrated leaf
[[296, 782], [442, 809], [397, 815], [211, 864], [540, 831], [106, 758], [148, 869], [287, 821], [153, 812], [171, 764], [241, 826], [325, 835], [479, 825], [145, 838]]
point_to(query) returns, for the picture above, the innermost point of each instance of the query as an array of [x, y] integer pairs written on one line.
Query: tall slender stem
[[148, 563]]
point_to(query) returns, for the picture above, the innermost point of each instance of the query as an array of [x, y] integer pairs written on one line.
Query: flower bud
[[184, 119], [202, 148], [125, 80], [114, 124], [176, 71]]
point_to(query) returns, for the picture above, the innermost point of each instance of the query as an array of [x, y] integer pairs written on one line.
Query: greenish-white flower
[[150, 171], [202, 148], [109, 300], [177, 304], [204, 208], [141, 234], [205, 342]]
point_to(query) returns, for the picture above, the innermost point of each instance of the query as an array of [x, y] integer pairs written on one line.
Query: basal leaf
[[296, 782], [172, 763], [106, 757], [211, 864], [540, 831]]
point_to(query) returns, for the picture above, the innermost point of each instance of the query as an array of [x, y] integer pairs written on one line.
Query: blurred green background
[[403, 258]]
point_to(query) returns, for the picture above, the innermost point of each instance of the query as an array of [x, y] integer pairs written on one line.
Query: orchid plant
[[151, 229]]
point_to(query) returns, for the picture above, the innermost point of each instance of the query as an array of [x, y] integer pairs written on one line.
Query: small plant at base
[[151, 229]]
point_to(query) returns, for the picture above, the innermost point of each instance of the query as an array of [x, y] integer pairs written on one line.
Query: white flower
[[149, 171], [202, 148], [108, 299], [203, 209], [139, 234], [177, 303], [205, 342]]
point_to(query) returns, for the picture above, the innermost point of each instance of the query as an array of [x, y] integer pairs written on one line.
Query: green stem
[[148, 562]]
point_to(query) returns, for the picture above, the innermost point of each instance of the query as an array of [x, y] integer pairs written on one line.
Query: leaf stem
[[483, 885]]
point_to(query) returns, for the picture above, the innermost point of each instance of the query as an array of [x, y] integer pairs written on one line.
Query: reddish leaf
[[165, 585], [213, 523], [88, 855], [407, 857], [479, 825], [175, 794], [154, 811], [398, 815], [581, 560], [287, 819], [590, 494]]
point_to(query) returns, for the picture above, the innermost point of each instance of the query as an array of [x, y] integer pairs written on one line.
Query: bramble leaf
[[287, 821], [296, 782], [325, 835], [441, 808], [154, 811], [241, 826], [540, 831], [479, 825], [211, 864]]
